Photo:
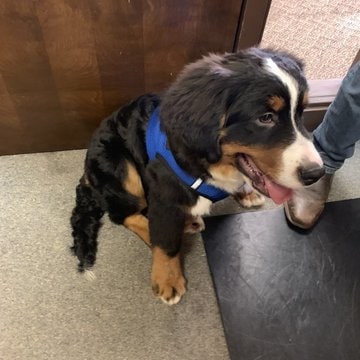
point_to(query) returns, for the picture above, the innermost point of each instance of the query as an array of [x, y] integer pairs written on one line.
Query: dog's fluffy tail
[[86, 222]]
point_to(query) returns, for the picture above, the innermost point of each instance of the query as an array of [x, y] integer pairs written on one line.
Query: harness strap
[[156, 144]]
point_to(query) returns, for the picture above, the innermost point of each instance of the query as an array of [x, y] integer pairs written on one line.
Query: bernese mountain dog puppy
[[229, 125]]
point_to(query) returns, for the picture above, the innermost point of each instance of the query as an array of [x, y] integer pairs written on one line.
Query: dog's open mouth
[[262, 182]]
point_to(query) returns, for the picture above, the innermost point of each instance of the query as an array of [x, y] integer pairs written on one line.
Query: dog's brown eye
[[267, 118]]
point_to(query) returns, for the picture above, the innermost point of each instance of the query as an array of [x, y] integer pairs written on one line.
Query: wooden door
[[65, 64]]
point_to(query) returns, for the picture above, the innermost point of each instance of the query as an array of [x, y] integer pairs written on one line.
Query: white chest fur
[[202, 207]]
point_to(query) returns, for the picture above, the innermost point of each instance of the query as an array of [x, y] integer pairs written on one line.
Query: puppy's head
[[238, 117]]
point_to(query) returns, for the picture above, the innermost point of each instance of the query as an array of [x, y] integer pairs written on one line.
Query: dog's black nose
[[311, 173]]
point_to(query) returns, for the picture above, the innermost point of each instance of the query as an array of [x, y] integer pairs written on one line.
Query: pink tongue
[[279, 194]]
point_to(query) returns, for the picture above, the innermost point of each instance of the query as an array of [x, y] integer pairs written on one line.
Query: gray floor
[[48, 311]]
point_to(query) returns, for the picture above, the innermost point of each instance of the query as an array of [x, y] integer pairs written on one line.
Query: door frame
[[251, 23]]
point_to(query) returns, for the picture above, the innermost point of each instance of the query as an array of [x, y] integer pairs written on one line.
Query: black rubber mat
[[287, 295]]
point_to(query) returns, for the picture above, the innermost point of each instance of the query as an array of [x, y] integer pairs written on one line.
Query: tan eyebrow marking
[[306, 98], [277, 103]]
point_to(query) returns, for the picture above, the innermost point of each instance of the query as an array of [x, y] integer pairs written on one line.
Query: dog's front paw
[[168, 282], [249, 197], [194, 225], [168, 290]]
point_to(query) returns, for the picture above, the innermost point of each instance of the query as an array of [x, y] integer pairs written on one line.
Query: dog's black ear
[[204, 140], [193, 132], [192, 110]]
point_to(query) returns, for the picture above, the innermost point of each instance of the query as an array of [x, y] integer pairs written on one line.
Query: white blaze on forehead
[[288, 81], [302, 150]]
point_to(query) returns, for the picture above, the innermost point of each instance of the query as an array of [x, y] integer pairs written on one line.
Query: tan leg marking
[[133, 185], [139, 224], [167, 278]]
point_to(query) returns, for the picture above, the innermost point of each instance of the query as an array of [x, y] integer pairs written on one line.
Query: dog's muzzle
[[311, 173]]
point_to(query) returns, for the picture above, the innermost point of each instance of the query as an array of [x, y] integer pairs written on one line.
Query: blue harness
[[156, 145]]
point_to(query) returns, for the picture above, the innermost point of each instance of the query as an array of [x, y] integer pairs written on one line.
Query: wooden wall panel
[[66, 64], [176, 33], [27, 76], [118, 35], [69, 41], [9, 120]]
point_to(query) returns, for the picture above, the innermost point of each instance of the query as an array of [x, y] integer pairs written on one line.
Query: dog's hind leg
[[139, 224], [85, 222]]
